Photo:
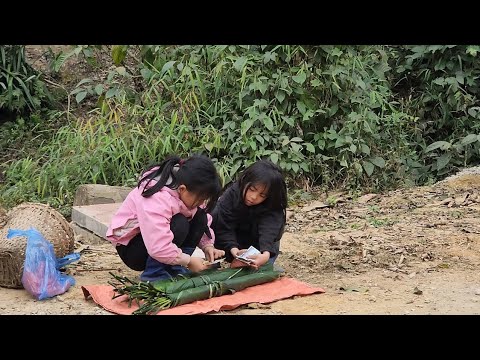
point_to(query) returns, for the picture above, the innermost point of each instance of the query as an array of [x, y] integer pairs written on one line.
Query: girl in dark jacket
[[252, 212]]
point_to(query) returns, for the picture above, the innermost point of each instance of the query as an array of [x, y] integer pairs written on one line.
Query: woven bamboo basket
[[49, 222]]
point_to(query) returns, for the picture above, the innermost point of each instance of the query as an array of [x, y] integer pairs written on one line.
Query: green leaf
[[269, 56], [473, 50], [296, 139], [110, 93], [27, 92], [290, 121], [247, 124], [274, 158], [343, 163], [268, 123], [99, 89], [260, 139], [301, 107], [295, 167], [336, 52], [84, 81], [378, 161], [340, 142], [470, 138], [333, 109], [167, 67], [472, 111], [239, 63], [444, 145], [365, 149], [310, 147], [460, 78], [209, 146], [321, 144], [443, 161], [146, 73], [368, 166], [121, 70], [358, 168], [80, 96], [299, 78], [119, 52], [280, 95], [295, 147], [76, 91]]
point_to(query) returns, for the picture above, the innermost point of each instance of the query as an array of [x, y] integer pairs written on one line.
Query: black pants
[[187, 234]]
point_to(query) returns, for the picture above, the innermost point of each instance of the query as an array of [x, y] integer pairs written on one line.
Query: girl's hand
[[237, 264], [196, 264], [211, 253], [235, 252], [259, 260]]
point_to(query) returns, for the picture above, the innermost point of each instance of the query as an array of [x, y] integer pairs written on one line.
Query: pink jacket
[[153, 215]]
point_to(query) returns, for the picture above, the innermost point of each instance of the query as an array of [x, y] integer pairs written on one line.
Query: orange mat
[[282, 288]]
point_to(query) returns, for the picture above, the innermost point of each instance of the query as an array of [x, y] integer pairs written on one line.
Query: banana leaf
[[228, 286], [216, 288], [205, 277], [163, 294]]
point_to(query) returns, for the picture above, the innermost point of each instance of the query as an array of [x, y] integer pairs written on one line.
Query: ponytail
[[197, 173], [165, 170]]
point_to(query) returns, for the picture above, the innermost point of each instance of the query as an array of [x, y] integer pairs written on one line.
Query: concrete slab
[[97, 218]]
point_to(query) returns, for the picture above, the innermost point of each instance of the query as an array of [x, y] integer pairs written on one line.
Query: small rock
[[417, 291], [477, 292]]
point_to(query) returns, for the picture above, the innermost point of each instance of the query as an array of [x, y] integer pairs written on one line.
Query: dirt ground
[[413, 251]]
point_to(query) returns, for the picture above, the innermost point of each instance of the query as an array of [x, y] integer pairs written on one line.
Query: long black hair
[[267, 173], [197, 173]]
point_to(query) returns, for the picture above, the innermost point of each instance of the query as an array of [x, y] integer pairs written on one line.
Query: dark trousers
[[187, 235]]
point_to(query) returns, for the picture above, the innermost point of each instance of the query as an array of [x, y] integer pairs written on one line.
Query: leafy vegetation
[[363, 118]]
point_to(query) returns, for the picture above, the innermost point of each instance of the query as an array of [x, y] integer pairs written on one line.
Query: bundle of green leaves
[[152, 297]]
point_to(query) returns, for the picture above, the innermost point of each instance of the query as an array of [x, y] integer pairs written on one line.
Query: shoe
[[155, 270], [176, 270]]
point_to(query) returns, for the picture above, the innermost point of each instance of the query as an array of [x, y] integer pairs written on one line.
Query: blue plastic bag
[[41, 276]]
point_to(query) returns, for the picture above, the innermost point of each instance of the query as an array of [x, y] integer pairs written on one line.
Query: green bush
[[21, 87]]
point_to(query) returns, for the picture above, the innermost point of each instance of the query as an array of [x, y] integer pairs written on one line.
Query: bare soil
[[414, 251]]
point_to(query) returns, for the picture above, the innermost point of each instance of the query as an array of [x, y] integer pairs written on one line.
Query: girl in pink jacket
[[163, 219]]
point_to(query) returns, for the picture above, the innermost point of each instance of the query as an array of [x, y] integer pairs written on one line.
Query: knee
[[179, 226], [201, 217]]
